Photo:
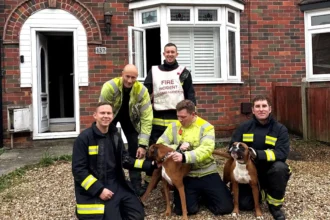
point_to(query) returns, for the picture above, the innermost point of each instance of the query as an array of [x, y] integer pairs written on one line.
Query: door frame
[[35, 103]]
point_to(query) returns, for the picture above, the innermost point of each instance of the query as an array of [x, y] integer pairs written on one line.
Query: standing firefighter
[[167, 84], [132, 108], [270, 141], [98, 160]]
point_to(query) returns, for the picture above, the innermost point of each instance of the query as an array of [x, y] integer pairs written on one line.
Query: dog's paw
[[168, 213], [260, 217], [235, 215]]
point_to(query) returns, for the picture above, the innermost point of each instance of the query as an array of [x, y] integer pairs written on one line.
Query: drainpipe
[[1, 109]]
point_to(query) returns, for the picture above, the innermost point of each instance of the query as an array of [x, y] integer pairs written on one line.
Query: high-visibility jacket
[[200, 136], [88, 168], [140, 109], [271, 140]]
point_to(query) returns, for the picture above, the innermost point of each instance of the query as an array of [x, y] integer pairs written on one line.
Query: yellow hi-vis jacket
[[140, 109], [200, 136]]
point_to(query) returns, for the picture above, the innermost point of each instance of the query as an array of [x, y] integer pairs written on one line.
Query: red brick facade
[[272, 51]]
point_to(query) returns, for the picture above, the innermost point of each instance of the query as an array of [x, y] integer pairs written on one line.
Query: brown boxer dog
[[172, 174], [239, 168]]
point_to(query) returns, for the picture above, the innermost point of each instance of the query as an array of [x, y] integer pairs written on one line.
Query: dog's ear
[[252, 153], [151, 150]]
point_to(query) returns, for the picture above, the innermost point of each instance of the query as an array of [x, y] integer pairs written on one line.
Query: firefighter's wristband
[[183, 158]]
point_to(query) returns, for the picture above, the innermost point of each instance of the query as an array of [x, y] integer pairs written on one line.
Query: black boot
[[276, 212]]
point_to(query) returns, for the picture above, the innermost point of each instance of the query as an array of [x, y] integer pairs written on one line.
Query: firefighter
[[132, 108], [98, 159], [167, 85], [270, 143], [195, 136]]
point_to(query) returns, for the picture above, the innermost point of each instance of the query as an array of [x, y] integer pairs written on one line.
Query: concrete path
[[12, 159]]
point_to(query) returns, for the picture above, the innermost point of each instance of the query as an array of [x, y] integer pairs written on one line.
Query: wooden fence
[[304, 111]]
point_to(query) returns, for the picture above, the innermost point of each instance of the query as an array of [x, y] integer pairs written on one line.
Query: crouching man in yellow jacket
[[196, 138]]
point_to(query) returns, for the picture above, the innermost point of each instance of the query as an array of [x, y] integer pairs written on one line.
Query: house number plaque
[[100, 50]]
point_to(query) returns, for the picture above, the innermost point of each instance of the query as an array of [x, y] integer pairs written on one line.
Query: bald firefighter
[[132, 108]]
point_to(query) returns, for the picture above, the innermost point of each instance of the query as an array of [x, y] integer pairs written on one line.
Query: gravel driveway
[[47, 193]]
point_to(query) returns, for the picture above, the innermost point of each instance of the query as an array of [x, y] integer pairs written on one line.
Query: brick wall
[[272, 48]]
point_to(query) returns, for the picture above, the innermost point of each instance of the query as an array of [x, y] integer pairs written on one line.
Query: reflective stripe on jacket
[[140, 109], [200, 136], [88, 169], [270, 140]]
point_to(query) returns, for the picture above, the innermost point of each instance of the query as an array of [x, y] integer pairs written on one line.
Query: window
[[207, 15], [207, 37], [199, 50], [180, 15], [317, 45], [149, 17]]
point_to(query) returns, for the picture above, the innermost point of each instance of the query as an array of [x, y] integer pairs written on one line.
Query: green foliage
[[12, 178], [64, 158], [219, 144], [46, 160]]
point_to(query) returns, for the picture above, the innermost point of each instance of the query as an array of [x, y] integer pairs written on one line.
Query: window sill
[[216, 81], [320, 79]]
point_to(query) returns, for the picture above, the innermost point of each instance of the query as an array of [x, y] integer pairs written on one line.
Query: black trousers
[[123, 205], [273, 180], [132, 140], [210, 189]]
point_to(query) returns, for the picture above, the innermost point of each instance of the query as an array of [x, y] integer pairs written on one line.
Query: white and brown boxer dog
[[239, 168]]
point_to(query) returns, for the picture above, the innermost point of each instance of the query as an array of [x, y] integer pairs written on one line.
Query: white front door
[[42, 76]]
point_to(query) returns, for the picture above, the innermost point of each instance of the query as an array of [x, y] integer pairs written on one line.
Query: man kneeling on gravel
[[98, 159], [270, 144]]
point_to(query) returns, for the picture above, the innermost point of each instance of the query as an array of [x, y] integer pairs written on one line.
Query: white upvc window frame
[[149, 25], [191, 21], [234, 28], [141, 49], [309, 31], [165, 23]]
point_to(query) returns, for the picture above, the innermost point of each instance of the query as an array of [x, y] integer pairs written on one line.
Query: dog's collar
[[162, 159], [165, 157]]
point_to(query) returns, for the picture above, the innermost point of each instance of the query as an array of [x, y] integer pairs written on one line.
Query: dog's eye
[[241, 148]]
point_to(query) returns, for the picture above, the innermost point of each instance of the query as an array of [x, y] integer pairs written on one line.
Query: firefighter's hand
[[184, 146], [140, 153], [106, 194], [177, 157]]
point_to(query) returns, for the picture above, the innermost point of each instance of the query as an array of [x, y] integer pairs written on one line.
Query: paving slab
[[12, 159]]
